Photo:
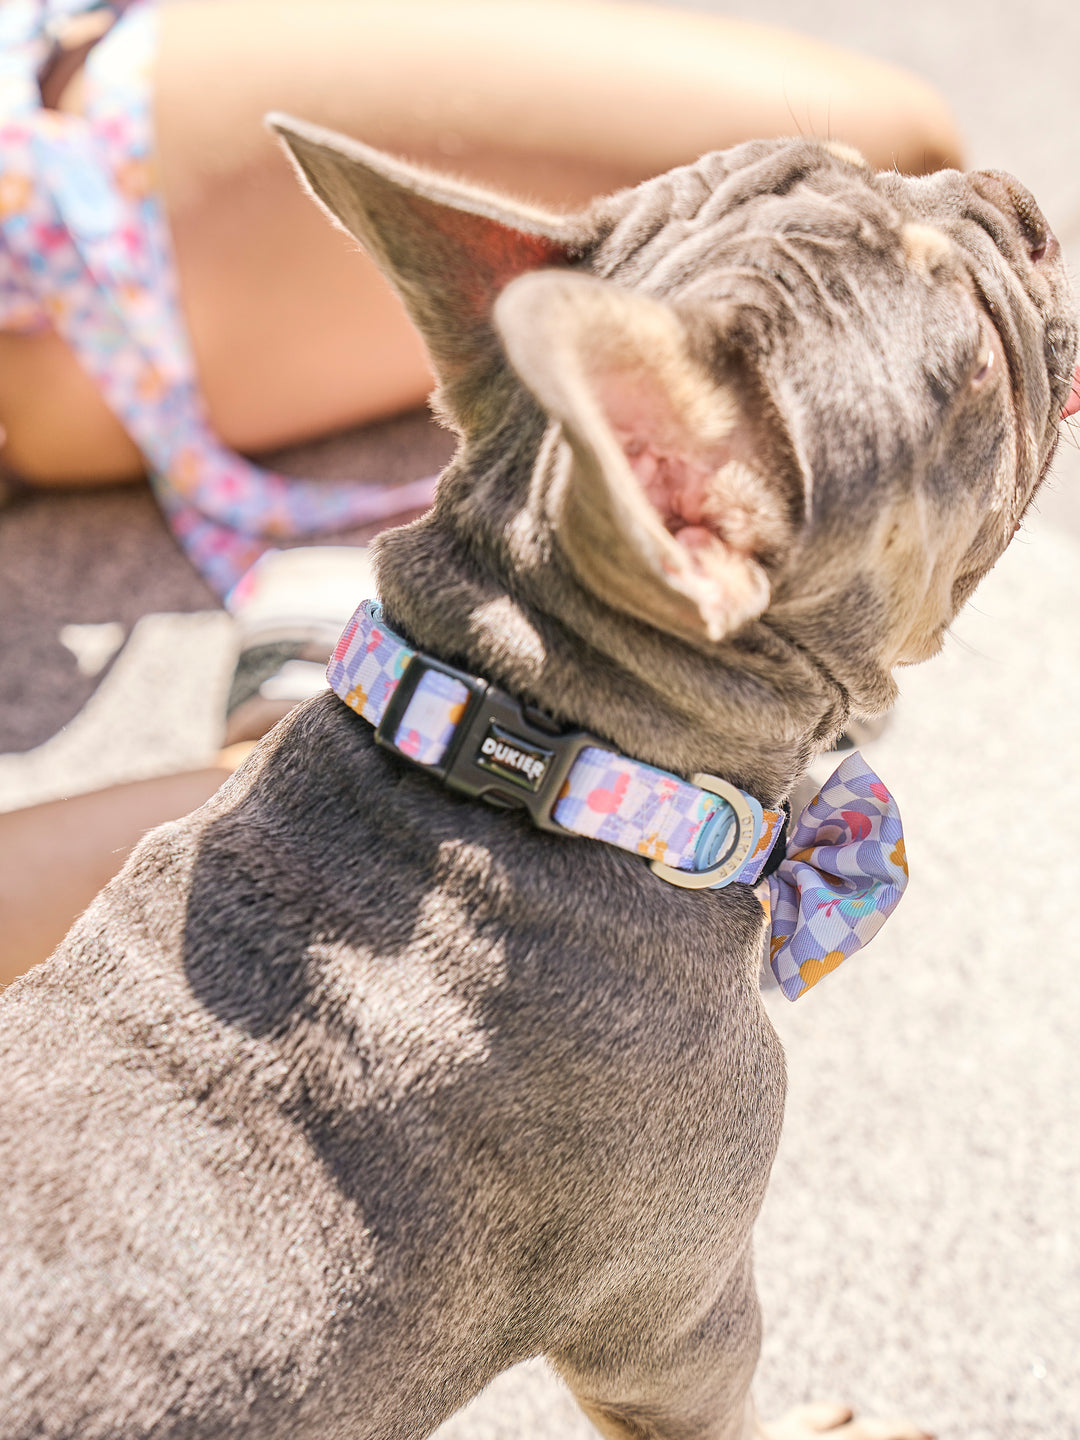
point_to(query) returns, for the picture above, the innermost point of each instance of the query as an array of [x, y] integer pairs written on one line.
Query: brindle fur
[[347, 1094]]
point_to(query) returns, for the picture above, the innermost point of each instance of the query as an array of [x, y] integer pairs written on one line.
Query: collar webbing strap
[[480, 741]]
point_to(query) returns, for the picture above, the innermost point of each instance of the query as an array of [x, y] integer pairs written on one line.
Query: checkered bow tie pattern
[[842, 877], [844, 869]]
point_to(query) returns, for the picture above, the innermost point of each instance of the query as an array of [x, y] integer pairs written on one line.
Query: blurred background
[[919, 1251]]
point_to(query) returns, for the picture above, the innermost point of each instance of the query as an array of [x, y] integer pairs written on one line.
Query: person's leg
[[54, 858], [294, 333]]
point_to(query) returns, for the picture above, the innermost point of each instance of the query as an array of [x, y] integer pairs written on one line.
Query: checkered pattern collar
[[702, 833]]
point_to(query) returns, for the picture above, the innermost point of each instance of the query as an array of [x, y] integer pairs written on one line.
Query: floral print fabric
[[85, 248]]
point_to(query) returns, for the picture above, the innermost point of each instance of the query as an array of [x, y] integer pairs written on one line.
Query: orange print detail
[[811, 971], [135, 179], [187, 466], [15, 193], [151, 386], [766, 837]]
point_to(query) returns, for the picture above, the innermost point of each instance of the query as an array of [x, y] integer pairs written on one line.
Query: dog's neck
[[753, 710]]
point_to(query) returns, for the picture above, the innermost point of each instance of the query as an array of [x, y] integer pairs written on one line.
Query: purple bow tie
[[843, 871], [842, 877]]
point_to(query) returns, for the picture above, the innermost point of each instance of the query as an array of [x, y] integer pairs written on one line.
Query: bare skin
[[54, 858], [294, 333]]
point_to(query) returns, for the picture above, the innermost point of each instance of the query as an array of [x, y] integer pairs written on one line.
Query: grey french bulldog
[[350, 1092]]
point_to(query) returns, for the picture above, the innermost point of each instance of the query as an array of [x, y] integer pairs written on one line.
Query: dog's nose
[[1006, 192]]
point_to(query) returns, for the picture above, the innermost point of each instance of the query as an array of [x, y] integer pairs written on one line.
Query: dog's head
[[770, 384]]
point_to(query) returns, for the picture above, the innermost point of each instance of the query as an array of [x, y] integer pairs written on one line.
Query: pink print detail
[[606, 802], [410, 743], [857, 823], [51, 237], [346, 639], [375, 639], [878, 790]]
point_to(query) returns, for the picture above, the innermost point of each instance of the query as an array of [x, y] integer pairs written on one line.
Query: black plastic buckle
[[501, 751]]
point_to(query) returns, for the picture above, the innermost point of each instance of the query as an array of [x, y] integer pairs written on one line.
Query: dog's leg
[[803, 1422], [651, 1375], [696, 1385]]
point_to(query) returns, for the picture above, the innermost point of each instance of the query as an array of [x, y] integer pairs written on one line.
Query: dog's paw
[[836, 1422]]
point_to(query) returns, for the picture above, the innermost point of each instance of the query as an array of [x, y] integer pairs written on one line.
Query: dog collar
[[826, 893], [478, 740]]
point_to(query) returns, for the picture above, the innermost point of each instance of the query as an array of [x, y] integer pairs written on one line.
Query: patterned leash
[[85, 248]]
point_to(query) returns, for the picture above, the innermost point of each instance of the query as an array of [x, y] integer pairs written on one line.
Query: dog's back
[[335, 1104]]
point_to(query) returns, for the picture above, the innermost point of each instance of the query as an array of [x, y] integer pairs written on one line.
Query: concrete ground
[[919, 1250]]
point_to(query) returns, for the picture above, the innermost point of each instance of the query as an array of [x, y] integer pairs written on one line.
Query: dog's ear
[[680, 488], [448, 248]]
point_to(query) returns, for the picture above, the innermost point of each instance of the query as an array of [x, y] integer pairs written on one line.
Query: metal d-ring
[[747, 838]]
